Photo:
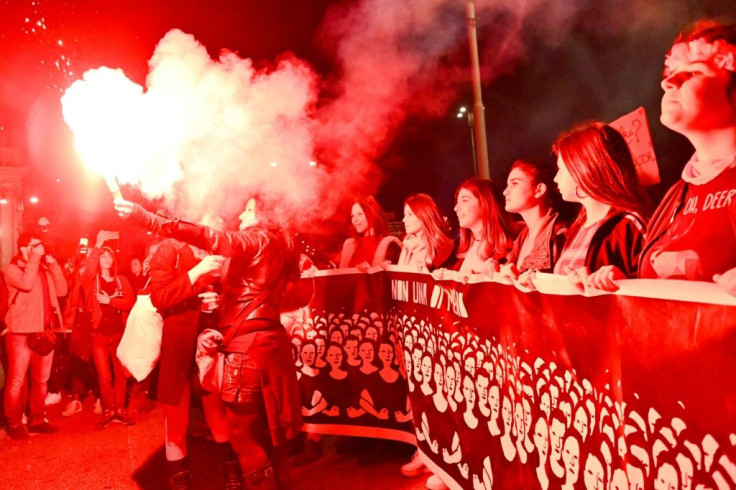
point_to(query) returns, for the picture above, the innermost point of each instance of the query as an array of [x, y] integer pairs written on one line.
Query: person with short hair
[[692, 233], [35, 281]]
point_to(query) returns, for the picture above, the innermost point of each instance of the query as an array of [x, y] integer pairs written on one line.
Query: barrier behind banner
[[513, 389]]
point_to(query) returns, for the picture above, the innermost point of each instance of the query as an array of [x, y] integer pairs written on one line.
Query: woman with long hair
[[595, 169], [531, 192], [369, 241], [485, 238], [109, 297], [427, 244]]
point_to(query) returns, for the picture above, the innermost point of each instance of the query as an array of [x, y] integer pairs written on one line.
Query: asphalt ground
[[80, 456]]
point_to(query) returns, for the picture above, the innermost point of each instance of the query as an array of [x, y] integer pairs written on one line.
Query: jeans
[[22, 361], [110, 372]]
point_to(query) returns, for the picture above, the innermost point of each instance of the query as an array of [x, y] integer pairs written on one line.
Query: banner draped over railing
[[513, 389]]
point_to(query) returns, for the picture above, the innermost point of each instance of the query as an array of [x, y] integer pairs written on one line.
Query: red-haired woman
[[484, 232], [595, 169], [369, 242], [110, 295], [692, 234], [427, 244], [532, 193]]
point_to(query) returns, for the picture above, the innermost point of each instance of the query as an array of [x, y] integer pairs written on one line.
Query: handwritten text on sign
[[635, 130]]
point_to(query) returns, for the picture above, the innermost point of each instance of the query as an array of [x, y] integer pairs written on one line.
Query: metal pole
[[481, 144]]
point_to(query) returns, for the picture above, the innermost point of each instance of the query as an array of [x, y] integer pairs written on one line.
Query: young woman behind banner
[[595, 169], [427, 244], [692, 234], [369, 241], [532, 193]]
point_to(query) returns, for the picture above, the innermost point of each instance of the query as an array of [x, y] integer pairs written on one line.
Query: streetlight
[[464, 112]]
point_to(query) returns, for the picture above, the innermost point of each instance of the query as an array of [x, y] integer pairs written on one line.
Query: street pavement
[[118, 457]]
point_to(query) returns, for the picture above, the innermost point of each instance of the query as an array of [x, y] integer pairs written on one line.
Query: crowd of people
[[588, 218]]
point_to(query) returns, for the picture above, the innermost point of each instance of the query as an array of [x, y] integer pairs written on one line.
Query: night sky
[[544, 69]]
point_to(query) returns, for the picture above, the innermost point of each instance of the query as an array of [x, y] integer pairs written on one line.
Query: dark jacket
[[175, 297], [261, 261], [122, 303], [618, 241], [547, 245]]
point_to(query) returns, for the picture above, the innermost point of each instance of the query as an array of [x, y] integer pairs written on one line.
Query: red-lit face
[[520, 192], [565, 182], [467, 209], [358, 219], [106, 260], [412, 224], [696, 99]]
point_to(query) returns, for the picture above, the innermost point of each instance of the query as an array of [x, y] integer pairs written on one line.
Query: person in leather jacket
[[259, 389]]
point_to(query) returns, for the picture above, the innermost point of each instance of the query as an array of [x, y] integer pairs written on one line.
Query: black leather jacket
[[261, 261]]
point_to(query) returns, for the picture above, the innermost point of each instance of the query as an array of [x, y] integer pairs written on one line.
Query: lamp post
[[479, 120], [468, 115]]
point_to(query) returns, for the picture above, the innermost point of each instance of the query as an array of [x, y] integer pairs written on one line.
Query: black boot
[[261, 479], [232, 474], [180, 477], [181, 480]]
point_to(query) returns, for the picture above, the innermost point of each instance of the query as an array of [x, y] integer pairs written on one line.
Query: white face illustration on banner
[[334, 357], [619, 480], [351, 348], [416, 359], [481, 387], [426, 369], [506, 415], [636, 477], [556, 434], [593, 473], [469, 392], [519, 420], [439, 379], [386, 355], [686, 471], [581, 422], [667, 478], [308, 355], [571, 459], [544, 404]]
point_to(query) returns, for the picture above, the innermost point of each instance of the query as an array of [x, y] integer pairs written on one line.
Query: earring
[[577, 193]]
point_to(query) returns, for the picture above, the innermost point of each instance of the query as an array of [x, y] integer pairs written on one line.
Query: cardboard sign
[[635, 130]]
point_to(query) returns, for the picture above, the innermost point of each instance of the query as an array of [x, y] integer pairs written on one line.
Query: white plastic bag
[[140, 347]]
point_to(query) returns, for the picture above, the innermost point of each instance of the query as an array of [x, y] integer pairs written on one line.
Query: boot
[[261, 479], [232, 474], [180, 476], [181, 480]]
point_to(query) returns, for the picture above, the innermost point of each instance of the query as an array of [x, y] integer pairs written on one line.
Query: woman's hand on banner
[[727, 281], [605, 277], [525, 281], [508, 272]]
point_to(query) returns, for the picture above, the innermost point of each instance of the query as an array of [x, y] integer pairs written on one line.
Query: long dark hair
[[373, 214]]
